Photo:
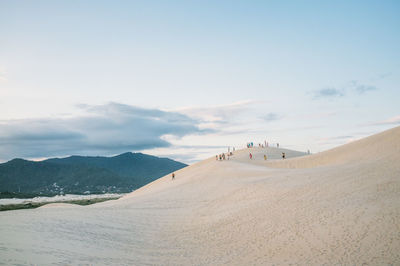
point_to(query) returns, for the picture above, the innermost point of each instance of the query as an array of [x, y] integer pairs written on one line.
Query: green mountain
[[80, 174]]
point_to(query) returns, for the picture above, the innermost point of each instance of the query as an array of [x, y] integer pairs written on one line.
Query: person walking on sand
[[277, 145], [216, 157], [173, 176], [283, 155], [251, 156], [265, 157]]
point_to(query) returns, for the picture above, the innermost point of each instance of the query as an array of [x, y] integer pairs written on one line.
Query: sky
[[187, 79]]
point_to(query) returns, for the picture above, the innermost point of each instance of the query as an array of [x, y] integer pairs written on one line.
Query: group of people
[[226, 156], [260, 145], [222, 156]]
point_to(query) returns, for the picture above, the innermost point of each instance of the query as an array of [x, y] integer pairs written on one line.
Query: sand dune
[[337, 207], [379, 149]]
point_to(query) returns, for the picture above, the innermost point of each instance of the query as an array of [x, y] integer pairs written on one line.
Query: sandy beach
[[341, 206]]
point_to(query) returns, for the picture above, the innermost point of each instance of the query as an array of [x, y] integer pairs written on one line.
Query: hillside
[[326, 209], [78, 174]]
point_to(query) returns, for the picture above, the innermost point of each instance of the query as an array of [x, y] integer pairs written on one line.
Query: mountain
[[79, 174]]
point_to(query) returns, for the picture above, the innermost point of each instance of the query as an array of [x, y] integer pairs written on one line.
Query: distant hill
[[80, 174]]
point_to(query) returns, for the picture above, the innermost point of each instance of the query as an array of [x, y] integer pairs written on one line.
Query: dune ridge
[[382, 148]]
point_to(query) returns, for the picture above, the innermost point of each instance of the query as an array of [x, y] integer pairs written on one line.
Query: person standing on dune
[[173, 176]]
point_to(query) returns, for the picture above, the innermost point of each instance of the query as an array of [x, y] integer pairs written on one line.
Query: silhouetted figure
[[173, 176], [283, 155]]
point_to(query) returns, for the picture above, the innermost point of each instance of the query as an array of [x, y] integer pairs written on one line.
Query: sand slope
[[337, 207], [381, 148]]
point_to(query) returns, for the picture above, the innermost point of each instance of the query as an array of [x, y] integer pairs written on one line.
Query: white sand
[[337, 207]]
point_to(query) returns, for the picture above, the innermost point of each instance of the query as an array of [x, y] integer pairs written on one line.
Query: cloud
[[328, 93], [361, 88], [219, 117], [336, 138], [385, 75], [316, 115], [352, 86], [339, 140], [218, 113], [102, 130], [390, 121], [271, 117]]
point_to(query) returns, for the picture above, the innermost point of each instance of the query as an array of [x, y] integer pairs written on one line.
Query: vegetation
[[82, 175], [32, 205]]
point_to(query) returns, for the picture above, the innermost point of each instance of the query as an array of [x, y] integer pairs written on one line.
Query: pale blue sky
[[185, 78]]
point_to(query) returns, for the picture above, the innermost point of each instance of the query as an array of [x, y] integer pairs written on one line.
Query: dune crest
[[382, 148]]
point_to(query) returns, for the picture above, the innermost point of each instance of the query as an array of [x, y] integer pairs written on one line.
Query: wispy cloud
[[271, 117], [359, 88], [219, 116], [317, 115], [385, 75], [217, 113], [395, 120], [352, 86], [339, 140], [327, 93], [103, 129]]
